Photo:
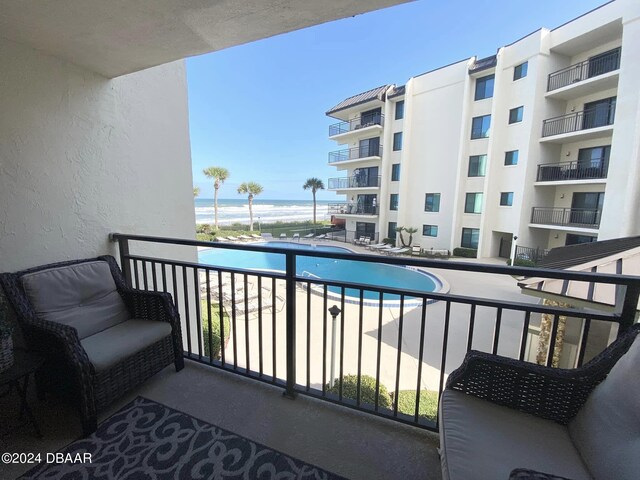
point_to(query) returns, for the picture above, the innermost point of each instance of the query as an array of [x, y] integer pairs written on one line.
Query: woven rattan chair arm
[[155, 306], [551, 393]]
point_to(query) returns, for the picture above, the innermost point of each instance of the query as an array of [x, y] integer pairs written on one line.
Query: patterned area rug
[[148, 440]]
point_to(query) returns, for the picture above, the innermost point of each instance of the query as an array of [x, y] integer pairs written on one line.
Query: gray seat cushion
[[607, 429], [110, 346], [481, 440], [83, 296]]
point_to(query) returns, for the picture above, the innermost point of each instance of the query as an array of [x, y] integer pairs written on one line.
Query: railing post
[[629, 307], [123, 247], [291, 324]]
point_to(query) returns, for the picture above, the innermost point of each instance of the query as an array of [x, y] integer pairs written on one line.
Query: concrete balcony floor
[[341, 440]]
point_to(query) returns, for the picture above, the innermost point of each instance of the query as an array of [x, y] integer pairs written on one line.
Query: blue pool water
[[377, 274]]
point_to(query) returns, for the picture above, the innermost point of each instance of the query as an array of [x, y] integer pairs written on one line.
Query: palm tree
[[410, 231], [314, 184], [196, 191], [253, 189], [219, 175]]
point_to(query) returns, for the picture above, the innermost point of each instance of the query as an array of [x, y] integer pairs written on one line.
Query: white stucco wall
[[82, 156]]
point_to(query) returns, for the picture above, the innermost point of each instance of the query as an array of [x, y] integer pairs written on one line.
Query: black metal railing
[[584, 120], [325, 337], [357, 123], [578, 217], [354, 182], [599, 65], [592, 169], [352, 209], [529, 254], [355, 153]]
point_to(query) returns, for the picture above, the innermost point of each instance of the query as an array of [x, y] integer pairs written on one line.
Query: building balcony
[[251, 334], [354, 182], [567, 172], [356, 154], [362, 124], [583, 125], [352, 209], [583, 218], [596, 74]]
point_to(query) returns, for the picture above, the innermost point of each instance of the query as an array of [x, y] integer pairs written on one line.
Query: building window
[[515, 114], [432, 202], [430, 230], [393, 201], [392, 230], [574, 239], [473, 203], [397, 141], [511, 158], [484, 87], [477, 165], [480, 127], [506, 199], [520, 71], [395, 172], [400, 110], [470, 237]]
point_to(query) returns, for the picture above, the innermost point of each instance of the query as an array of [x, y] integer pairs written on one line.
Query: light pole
[[334, 311], [259, 229], [513, 250]]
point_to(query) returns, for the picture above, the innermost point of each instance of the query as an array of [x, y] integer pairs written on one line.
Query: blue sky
[[258, 109]]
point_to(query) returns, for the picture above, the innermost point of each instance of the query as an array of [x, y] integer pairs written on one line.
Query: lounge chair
[[221, 239], [398, 251], [378, 245], [257, 237], [283, 235], [383, 247], [358, 241], [267, 236], [296, 236], [233, 239], [245, 237], [309, 235], [320, 237], [366, 242]]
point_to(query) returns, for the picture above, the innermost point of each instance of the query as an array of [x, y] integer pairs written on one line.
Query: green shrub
[[215, 328], [428, 403], [367, 390], [389, 241], [465, 252], [204, 237]]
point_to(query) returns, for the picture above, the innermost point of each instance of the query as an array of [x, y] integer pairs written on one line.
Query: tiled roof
[[397, 91], [483, 64], [373, 94], [573, 255]]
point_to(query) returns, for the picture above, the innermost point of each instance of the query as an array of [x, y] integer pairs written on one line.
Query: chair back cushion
[[83, 296], [606, 431]]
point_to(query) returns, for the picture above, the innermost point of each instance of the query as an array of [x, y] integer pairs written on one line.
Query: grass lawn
[[215, 328], [428, 403]]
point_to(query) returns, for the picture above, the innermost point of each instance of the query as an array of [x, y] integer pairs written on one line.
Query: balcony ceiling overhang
[[117, 37]]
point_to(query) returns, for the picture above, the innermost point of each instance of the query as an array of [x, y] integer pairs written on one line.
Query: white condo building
[[540, 141]]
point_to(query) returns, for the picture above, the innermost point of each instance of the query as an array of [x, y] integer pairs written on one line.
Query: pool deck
[[311, 315]]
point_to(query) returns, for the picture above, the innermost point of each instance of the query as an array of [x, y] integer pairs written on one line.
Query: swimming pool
[[375, 274]]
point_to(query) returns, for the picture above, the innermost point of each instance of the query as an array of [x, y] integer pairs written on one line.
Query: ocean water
[[237, 210]]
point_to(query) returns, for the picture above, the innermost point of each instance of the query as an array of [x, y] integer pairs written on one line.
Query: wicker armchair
[[560, 404], [78, 364]]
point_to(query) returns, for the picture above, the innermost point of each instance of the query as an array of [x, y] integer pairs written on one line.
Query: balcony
[[355, 181], [584, 78], [356, 154], [595, 169], [362, 123], [410, 348], [590, 123], [566, 217], [352, 209]]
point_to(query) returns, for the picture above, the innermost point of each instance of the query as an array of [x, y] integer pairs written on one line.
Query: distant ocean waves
[[269, 211]]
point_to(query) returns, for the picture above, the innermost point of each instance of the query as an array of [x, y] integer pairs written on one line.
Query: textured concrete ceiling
[[115, 37]]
